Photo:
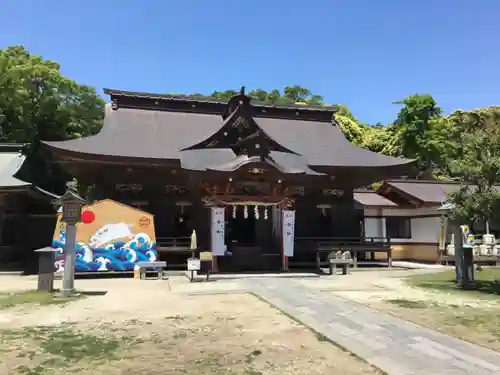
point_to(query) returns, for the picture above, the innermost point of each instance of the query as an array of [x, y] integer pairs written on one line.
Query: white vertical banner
[[217, 226], [288, 228]]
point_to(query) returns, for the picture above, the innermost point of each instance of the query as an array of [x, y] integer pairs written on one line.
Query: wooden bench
[[343, 263], [157, 267]]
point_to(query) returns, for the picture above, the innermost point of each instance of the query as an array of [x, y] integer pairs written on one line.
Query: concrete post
[[68, 287], [459, 256], [464, 262]]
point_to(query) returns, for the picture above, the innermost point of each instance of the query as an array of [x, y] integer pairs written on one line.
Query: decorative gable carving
[[241, 133]]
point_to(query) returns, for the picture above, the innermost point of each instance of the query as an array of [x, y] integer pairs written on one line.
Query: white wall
[[423, 229], [375, 227]]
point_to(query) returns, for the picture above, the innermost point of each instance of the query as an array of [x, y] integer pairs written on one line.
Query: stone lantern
[[72, 205]]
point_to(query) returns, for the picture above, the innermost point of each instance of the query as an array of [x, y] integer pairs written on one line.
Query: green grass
[[33, 297], [478, 325], [74, 346], [58, 347], [487, 283]]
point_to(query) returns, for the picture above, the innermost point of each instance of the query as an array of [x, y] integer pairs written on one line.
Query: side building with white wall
[[406, 211]]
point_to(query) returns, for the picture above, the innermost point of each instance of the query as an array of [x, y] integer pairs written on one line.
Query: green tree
[[291, 95], [38, 103], [354, 131], [301, 94], [259, 94], [413, 122], [458, 129], [224, 95], [273, 97], [380, 139], [478, 167], [416, 133]]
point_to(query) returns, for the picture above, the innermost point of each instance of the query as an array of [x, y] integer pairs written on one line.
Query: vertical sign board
[[288, 232], [218, 237]]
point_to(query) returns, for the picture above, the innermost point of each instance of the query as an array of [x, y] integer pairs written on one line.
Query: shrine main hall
[[181, 158]]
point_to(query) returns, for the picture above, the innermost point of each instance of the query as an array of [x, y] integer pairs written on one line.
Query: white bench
[[157, 267], [343, 263]]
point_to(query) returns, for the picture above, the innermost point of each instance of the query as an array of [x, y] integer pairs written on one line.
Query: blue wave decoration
[[117, 256]]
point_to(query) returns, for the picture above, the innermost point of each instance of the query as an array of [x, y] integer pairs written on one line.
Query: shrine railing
[[173, 242], [345, 243], [322, 247]]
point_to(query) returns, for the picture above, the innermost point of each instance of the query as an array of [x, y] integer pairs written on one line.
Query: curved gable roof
[[162, 134]]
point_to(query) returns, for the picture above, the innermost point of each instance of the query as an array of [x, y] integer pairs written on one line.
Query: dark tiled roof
[[324, 144], [153, 134], [434, 192], [221, 102], [144, 134], [371, 199]]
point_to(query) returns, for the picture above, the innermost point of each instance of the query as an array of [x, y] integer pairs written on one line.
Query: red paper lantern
[[88, 217]]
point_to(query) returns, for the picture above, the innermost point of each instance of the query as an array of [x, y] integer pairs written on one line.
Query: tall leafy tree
[[259, 94], [416, 129], [477, 165], [301, 94], [38, 103]]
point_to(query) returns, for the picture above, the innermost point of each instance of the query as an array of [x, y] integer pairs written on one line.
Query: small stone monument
[[46, 269]]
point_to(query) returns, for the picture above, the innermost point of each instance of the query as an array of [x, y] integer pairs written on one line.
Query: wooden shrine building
[[27, 217], [174, 157]]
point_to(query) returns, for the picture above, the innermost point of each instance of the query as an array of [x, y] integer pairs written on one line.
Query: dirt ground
[[160, 327]]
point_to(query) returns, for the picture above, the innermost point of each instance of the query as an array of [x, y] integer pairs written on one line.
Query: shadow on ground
[[94, 293]]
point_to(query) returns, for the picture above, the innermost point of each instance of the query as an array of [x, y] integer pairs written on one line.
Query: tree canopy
[[291, 95], [38, 103]]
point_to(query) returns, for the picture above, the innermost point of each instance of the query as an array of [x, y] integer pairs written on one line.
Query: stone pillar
[[68, 287], [464, 264]]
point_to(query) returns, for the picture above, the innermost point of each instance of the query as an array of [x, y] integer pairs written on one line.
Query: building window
[[397, 227]]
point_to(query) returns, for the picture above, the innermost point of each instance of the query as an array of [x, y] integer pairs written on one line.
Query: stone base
[[66, 292]]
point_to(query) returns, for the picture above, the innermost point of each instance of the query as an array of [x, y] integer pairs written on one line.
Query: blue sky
[[362, 53]]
